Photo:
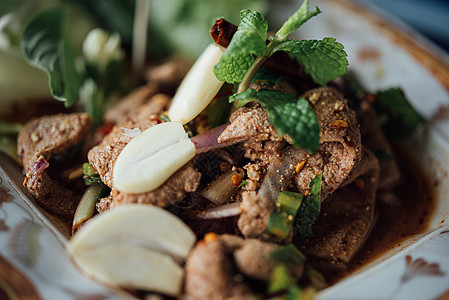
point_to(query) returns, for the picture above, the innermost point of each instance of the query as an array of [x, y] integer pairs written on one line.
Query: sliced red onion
[[38, 167], [208, 141], [220, 212]]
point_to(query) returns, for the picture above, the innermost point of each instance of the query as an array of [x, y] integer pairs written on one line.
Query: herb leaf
[[295, 21], [397, 116], [310, 208], [247, 42], [323, 60], [287, 114], [45, 46]]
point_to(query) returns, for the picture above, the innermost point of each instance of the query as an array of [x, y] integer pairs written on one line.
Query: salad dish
[[269, 168]]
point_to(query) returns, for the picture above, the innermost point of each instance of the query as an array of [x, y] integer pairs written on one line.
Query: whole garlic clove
[[140, 225], [150, 158], [135, 246], [198, 87], [132, 267]]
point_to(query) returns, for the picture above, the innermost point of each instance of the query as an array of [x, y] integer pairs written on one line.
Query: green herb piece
[[89, 170], [294, 293], [45, 46], [165, 117], [310, 209], [301, 16], [288, 255], [90, 176], [287, 114], [281, 220], [323, 60], [397, 116], [242, 183], [280, 279]]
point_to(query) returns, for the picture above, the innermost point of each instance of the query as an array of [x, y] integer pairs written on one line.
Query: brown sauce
[[395, 223]]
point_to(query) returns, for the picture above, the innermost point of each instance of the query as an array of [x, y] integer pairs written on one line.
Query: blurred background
[[430, 17]]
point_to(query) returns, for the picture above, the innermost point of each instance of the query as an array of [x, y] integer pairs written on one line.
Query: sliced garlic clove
[[128, 266], [150, 158], [198, 87], [138, 225]]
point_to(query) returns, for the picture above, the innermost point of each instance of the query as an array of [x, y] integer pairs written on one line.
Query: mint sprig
[[248, 50], [287, 114]]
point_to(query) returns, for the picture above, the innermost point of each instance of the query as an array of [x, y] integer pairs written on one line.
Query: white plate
[[32, 247]]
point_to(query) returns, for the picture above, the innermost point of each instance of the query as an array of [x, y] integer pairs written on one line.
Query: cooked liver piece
[[104, 156], [346, 217], [209, 273], [39, 140]]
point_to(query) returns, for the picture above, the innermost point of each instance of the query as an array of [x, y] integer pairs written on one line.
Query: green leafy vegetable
[[310, 209], [45, 46], [396, 115], [287, 114], [323, 60]]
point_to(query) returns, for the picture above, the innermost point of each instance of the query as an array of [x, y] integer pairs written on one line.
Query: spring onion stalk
[[86, 206], [281, 220]]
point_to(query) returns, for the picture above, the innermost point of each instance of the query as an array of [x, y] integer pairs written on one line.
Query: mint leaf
[[248, 41], [287, 114], [397, 117], [310, 208], [301, 16], [323, 60], [45, 46]]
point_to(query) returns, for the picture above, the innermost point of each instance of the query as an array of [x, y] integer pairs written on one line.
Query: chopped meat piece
[[255, 213], [130, 105], [209, 273], [252, 259], [347, 216], [41, 139], [249, 123], [183, 181], [374, 139]]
